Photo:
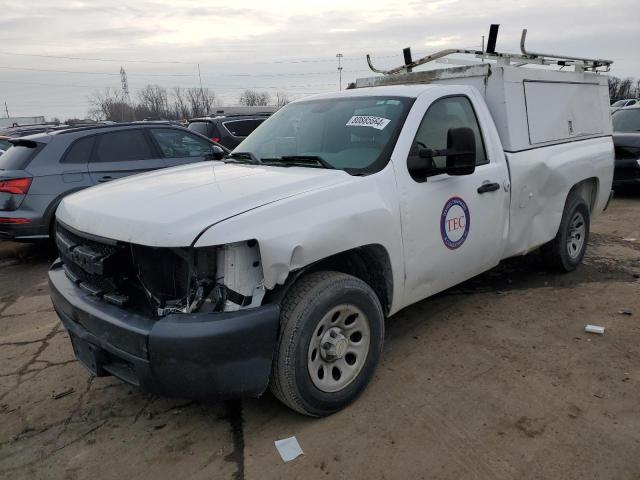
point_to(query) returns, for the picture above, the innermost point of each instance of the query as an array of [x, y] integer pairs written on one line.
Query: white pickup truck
[[278, 265]]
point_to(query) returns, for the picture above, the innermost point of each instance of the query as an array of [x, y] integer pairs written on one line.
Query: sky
[[54, 54]]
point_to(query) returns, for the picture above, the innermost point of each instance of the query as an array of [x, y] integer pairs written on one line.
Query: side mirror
[[217, 153], [461, 151], [460, 154]]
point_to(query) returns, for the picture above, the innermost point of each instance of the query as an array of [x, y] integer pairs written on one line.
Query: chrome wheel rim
[[338, 348], [576, 236]]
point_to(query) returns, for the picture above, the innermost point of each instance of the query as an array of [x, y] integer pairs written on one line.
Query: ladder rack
[[580, 64]]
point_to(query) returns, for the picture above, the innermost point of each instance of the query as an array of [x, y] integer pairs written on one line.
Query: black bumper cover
[[199, 356]]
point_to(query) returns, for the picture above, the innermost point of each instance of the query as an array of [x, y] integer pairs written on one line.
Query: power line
[[284, 61], [84, 72], [61, 57]]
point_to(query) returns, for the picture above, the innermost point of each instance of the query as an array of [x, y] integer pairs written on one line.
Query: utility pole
[[339, 56], [201, 92], [6, 109], [482, 48]]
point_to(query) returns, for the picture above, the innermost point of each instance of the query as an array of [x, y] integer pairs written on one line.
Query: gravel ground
[[494, 379]]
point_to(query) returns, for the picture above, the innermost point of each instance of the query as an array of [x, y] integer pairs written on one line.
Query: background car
[[626, 139], [227, 130], [39, 170], [628, 102]]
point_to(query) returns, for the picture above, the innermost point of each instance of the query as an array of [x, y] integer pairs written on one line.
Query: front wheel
[[565, 252], [331, 335]]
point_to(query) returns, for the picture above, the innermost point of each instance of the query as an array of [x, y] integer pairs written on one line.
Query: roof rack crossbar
[[593, 62], [422, 61]]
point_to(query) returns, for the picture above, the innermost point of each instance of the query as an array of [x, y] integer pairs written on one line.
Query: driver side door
[[454, 226]]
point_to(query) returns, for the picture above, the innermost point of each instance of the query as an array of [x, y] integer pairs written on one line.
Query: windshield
[[626, 120], [619, 103], [356, 134]]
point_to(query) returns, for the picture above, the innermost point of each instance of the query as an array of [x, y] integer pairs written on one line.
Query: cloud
[[281, 44]]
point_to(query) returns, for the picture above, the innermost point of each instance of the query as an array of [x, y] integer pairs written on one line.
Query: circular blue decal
[[455, 222]]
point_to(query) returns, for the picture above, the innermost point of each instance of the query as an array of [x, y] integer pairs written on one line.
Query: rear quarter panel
[[541, 179]]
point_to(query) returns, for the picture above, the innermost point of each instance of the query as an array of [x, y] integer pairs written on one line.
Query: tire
[[561, 254], [318, 306]]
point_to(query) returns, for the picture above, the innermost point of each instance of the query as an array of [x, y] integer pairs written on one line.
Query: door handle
[[104, 179], [488, 187]]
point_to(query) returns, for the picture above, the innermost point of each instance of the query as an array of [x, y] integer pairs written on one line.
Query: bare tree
[[281, 99], [620, 89], [180, 107], [252, 98], [201, 102], [614, 84], [109, 104], [153, 101]]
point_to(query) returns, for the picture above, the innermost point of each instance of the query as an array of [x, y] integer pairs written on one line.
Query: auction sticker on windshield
[[368, 121], [455, 222]]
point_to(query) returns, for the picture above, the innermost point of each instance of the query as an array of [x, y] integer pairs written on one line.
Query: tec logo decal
[[455, 222]]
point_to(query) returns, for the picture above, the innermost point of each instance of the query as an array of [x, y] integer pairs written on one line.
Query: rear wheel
[[331, 335], [565, 252]]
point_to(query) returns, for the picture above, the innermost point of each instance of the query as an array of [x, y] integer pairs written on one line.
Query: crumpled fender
[[297, 231]]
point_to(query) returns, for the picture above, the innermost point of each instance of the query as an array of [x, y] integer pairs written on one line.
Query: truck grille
[[141, 278], [100, 267]]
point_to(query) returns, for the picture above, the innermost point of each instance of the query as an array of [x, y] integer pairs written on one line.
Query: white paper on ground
[[289, 448], [594, 329]]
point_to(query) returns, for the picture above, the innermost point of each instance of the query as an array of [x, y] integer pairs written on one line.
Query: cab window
[[179, 144], [121, 146], [442, 115]]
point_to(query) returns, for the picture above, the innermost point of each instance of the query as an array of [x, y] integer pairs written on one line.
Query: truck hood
[[171, 207]]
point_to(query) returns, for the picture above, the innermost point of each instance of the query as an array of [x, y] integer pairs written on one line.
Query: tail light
[[14, 221], [216, 139], [16, 186]]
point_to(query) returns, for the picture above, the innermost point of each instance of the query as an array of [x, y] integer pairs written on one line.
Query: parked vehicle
[[279, 266], [227, 130], [4, 143], [38, 171], [615, 106], [626, 139]]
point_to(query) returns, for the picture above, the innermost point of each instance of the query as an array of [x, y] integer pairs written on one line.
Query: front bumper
[[199, 356]]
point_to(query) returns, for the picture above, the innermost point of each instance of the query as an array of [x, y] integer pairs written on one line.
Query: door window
[[242, 128], [80, 151], [442, 115], [200, 127], [122, 146], [180, 144]]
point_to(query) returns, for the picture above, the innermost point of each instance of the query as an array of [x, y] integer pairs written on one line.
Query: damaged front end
[[157, 281]]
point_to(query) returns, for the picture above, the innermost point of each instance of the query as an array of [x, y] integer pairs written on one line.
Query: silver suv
[[39, 170]]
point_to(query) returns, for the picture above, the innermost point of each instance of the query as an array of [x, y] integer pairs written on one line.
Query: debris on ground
[[625, 311], [594, 329], [289, 448], [63, 393]]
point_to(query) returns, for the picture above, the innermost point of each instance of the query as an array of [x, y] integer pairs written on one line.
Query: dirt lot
[[495, 379]]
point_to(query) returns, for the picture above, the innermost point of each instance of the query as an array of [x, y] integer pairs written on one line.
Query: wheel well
[[369, 263], [588, 190]]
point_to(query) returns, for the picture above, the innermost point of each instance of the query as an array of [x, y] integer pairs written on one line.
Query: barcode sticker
[[368, 121]]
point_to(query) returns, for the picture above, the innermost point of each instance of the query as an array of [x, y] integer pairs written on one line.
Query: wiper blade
[[301, 160], [244, 156]]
